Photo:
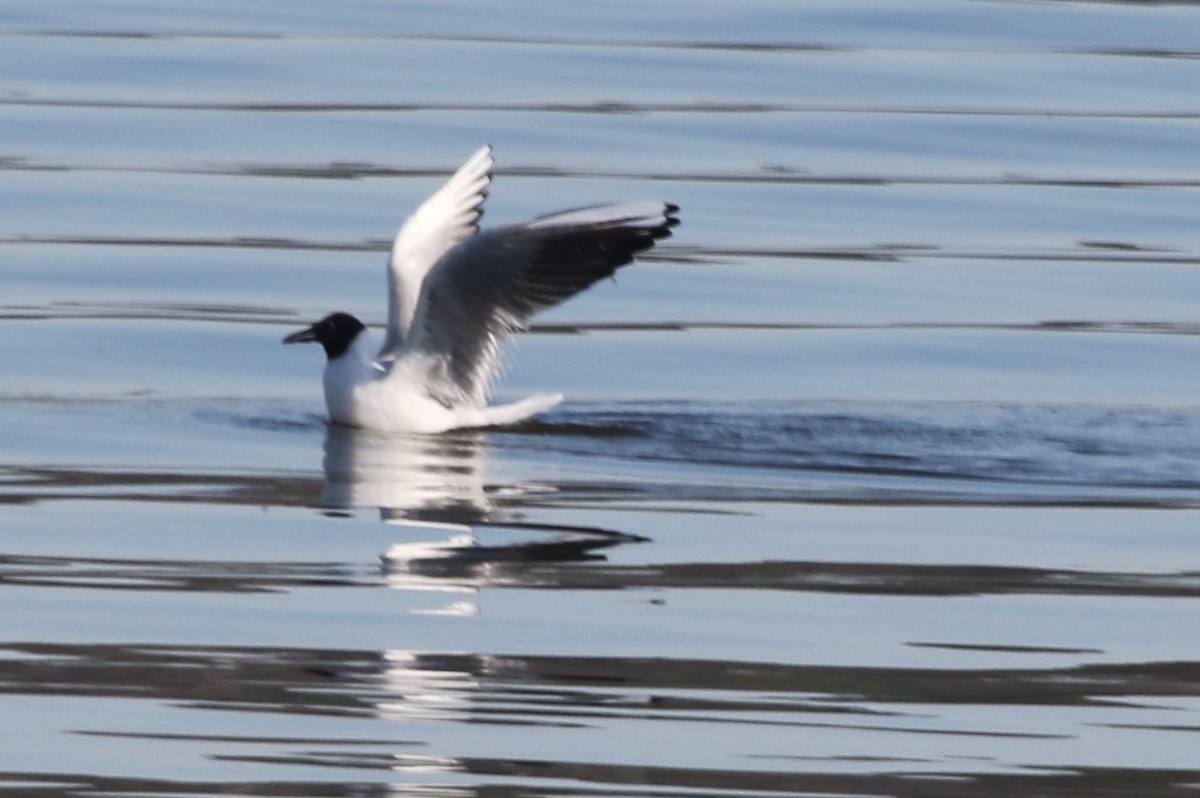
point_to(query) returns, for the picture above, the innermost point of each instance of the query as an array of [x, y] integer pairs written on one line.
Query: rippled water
[[879, 478]]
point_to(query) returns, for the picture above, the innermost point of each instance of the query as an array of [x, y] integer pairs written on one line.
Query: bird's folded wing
[[442, 221]]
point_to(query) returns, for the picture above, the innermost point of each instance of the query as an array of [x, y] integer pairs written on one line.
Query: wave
[[1080, 450]]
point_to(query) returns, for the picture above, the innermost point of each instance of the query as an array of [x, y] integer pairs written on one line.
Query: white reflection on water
[[424, 691], [437, 484], [409, 478]]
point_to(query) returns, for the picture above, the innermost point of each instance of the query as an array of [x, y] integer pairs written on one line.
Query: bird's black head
[[335, 332]]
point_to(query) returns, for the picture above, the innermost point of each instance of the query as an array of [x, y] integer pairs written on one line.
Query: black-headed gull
[[455, 293]]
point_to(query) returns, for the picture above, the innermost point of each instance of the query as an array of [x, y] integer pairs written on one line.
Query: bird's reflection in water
[[412, 479], [436, 484]]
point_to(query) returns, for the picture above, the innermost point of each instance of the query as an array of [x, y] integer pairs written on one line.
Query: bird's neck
[[348, 371]]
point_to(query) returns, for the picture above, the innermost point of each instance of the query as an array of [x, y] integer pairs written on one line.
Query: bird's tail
[[500, 415]]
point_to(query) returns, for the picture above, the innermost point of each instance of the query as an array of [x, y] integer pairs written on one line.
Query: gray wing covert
[[492, 283]]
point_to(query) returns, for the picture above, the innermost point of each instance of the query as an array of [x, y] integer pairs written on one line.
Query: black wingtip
[[670, 220], [670, 212]]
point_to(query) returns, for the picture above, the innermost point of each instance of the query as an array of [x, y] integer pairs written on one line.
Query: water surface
[[879, 478]]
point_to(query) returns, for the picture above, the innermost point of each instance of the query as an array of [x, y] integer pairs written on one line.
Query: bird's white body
[[360, 392], [456, 293]]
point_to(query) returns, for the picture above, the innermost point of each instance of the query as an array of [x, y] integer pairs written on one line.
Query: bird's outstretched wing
[[448, 217], [494, 282]]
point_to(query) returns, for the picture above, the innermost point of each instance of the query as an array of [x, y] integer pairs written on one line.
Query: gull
[[456, 293]]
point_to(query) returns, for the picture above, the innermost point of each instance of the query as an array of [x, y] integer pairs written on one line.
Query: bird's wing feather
[[442, 221], [491, 284]]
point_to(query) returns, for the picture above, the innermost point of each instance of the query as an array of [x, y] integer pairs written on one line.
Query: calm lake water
[[880, 478]]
